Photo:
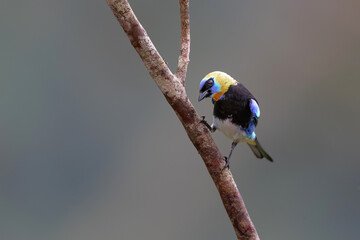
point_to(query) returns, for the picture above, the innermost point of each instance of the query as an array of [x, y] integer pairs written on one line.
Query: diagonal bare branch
[[185, 41], [174, 92]]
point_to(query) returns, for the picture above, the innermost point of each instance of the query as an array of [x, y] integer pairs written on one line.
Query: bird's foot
[[203, 121], [227, 164]]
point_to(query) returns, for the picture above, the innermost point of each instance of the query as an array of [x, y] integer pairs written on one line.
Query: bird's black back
[[235, 104]]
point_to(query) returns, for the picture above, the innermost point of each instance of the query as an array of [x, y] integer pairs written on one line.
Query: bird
[[236, 112]]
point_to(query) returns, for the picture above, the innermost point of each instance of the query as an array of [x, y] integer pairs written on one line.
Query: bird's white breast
[[230, 130]]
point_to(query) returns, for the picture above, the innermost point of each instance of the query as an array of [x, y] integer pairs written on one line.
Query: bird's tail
[[259, 151]]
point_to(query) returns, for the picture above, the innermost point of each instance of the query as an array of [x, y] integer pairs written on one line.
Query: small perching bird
[[236, 111]]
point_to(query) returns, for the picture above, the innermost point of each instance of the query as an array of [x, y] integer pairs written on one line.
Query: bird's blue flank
[[250, 130], [254, 107], [253, 136]]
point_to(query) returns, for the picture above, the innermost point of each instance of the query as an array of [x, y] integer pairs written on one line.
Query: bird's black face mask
[[205, 90]]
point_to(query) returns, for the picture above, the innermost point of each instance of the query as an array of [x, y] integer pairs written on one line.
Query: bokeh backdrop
[[90, 149]]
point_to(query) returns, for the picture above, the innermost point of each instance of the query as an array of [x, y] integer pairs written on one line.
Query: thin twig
[[185, 41], [174, 92]]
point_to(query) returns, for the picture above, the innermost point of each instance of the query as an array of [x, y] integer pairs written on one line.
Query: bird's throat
[[217, 95]]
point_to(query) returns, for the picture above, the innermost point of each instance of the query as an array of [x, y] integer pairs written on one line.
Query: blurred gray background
[[90, 149]]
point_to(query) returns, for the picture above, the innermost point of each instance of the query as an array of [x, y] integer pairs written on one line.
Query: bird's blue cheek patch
[[215, 88]]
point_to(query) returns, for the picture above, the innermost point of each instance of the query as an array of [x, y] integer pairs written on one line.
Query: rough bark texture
[[172, 86], [185, 41]]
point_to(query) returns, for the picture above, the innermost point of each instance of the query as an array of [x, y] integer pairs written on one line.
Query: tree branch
[[185, 41], [173, 89]]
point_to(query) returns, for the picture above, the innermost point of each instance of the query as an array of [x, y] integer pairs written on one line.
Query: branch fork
[[172, 86]]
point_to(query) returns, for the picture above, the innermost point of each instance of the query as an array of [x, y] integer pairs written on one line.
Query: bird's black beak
[[203, 95]]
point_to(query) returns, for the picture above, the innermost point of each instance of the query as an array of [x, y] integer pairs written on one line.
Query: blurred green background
[[90, 149]]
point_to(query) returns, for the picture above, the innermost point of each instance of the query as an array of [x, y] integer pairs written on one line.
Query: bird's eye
[[210, 82]]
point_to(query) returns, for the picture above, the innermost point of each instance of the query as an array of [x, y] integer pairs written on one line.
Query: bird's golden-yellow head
[[215, 84]]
